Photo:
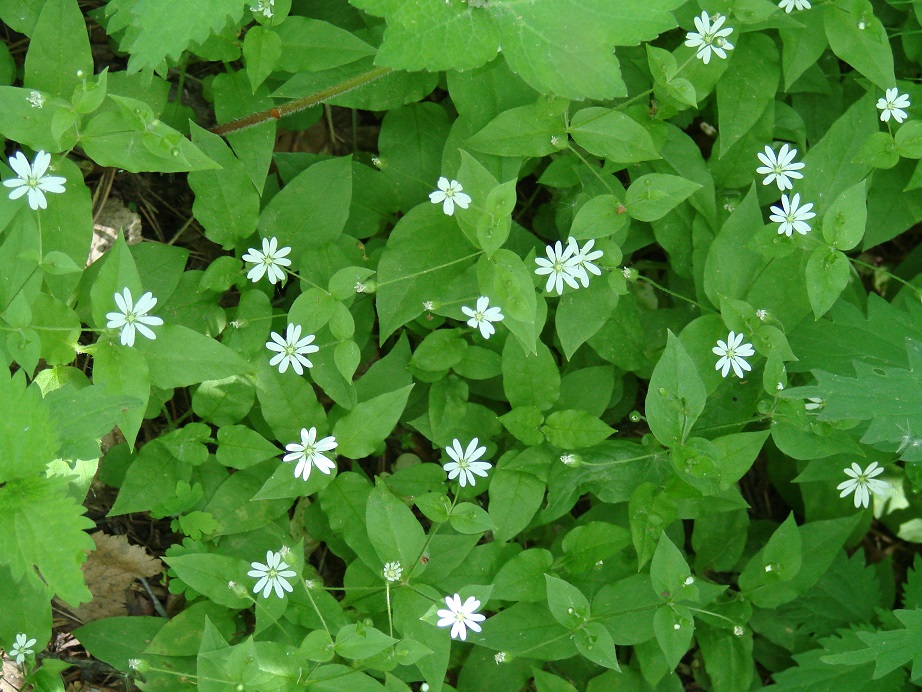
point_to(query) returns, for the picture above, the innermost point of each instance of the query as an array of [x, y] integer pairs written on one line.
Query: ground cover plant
[[474, 345]]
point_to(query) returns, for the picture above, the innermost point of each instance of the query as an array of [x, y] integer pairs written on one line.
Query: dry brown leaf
[[110, 571]]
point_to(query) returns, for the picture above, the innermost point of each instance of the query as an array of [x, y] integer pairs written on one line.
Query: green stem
[[301, 104], [641, 277], [592, 168], [428, 271], [886, 273], [316, 609], [432, 532]]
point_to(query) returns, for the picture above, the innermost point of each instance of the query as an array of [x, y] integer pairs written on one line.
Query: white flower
[[499, 657], [560, 266], [860, 482], [428, 305], [449, 194], [291, 350], [264, 7], [270, 260], [32, 179], [892, 105], [460, 616], [465, 463], [272, 575], [689, 580], [310, 452], [36, 99], [709, 37], [762, 314], [134, 663], [791, 216], [568, 459], [814, 403], [133, 316], [583, 260], [483, 316], [732, 353], [738, 631], [791, 5], [392, 571], [360, 287], [779, 168], [22, 648]]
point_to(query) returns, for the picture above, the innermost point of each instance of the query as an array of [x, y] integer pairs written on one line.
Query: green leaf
[[747, 88], [909, 140], [367, 425], [844, 221], [522, 578], [239, 447], [115, 640], [548, 682], [779, 560], [393, 530], [311, 209], [58, 49], [158, 30], [524, 423], [595, 643], [669, 570], [226, 203], [508, 283], [567, 603], [612, 135], [310, 45], [43, 528], [890, 649], [878, 151], [598, 218], [358, 641], [525, 130], [468, 518], [410, 148], [859, 38], [261, 52], [528, 628], [843, 662], [676, 395], [828, 272], [209, 573], [652, 196], [651, 511], [515, 497], [28, 438], [674, 628], [575, 429], [85, 415], [179, 357], [439, 351], [530, 380], [585, 546], [123, 372], [581, 314]]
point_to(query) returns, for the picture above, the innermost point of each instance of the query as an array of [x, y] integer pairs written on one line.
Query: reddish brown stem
[[279, 112]]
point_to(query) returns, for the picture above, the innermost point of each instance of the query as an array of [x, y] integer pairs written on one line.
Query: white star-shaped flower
[[779, 168], [483, 316], [791, 216], [892, 105], [814, 403], [732, 354], [270, 261], [272, 575], [791, 5], [291, 350], [449, 194], [560, 266], [465, 464], [459, 616], [264, 7], [392, 571], [133, 316], [32, 180], [709, 37], [310, 453], [36, 99], [583, 258], [860, 482], [23, 648]]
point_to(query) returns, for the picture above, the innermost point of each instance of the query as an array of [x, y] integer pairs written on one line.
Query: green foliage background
[[647, 523]]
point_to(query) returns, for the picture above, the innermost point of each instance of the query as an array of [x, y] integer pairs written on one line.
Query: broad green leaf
[[747, 88], [524, 424], [522, 578], [59, 48], [575, 429], [878, 151], [515, 497], [674, 627], [311, 45], [651, 511], [439, 351], [58, 327], [844, 221], [530, 379], [393, 530], [859, 38], [586, 546], [208, 573], [367, 425], [179, 357], [410, 148], [844, 661], [226, 203], [652, 196], [468, 518], [802, 46], [595, 643], [239, 447], [909, 140], [669, 571], [116, 640], [600, 217], [225, 401], [358, 641], [675, 396], [528, 627], [613, 135], [261, 51], [567, 604], [524, 131], [828, 272], [43, 528], [548, 682], [311, 209]]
